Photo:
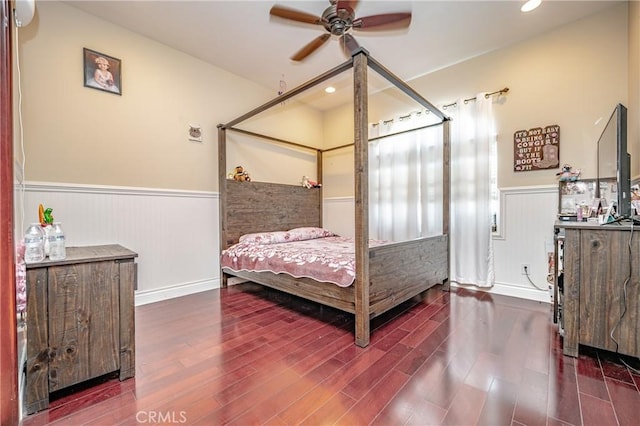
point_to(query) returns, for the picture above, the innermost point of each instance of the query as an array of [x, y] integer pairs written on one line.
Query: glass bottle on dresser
[[34, 244], [57, 249]]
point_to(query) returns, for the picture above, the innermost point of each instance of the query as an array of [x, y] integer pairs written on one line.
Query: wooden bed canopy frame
[[248, 207]]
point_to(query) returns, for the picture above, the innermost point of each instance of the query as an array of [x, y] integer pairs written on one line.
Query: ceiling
[[241, 37]]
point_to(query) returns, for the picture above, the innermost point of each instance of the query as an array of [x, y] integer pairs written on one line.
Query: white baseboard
[[505, 289], [144, 297]]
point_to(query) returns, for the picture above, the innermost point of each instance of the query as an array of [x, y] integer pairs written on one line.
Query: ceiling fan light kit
[[339, 19]]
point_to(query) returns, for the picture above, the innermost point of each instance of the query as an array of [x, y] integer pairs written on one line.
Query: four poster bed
[[383, 274]]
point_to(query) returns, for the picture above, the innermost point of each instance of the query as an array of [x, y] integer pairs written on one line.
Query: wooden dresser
[[80, 320], [600, 304]]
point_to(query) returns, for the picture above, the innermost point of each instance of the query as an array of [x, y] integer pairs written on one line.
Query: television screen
[[608, 149], [614, 161]]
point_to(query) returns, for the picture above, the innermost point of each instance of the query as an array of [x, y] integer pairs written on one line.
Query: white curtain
[[405, 178], [473, 140], [405, 184]]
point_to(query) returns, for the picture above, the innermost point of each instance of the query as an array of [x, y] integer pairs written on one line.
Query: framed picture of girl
[[102, 72]]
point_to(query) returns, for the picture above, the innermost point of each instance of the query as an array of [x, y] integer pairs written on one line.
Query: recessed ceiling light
[[330, 89], [530, 5]]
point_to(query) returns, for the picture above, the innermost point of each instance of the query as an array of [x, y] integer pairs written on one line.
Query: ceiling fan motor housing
[[337, 21]]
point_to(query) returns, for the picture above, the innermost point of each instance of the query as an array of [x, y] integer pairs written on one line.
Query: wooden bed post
[[222, 190], [319, 178], [361, 162], [446, 193]]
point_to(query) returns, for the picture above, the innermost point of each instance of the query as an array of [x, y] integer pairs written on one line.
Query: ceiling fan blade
[[349, 44], [344, 4], [295, 15], [311, 47], [386, 21]]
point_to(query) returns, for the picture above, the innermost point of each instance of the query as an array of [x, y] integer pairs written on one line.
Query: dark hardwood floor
[[249, 355]]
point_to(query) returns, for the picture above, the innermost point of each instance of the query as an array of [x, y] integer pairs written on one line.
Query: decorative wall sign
[[536, 149]]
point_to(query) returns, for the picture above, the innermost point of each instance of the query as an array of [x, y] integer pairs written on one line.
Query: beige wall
[[75, 134], [571, 77]]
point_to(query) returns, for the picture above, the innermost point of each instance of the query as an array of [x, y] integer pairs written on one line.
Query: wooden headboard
[[259, 207]]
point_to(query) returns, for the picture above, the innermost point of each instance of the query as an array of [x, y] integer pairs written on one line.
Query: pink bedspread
[[328, 259]]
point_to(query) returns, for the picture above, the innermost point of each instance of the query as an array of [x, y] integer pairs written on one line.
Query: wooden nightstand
[[80, 320]]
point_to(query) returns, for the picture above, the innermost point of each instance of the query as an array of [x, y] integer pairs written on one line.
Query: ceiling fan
[[339, 20]]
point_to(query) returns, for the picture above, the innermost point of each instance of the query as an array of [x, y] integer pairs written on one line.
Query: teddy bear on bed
[[308, 183], [241, 174]]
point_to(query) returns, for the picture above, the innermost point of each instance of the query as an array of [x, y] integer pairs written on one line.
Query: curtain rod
[[453, 104], [486, 96]]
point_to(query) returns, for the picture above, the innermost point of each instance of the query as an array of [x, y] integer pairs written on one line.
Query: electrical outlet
[[525, 269]]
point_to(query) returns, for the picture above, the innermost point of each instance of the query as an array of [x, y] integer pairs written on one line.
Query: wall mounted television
[[614, 161]]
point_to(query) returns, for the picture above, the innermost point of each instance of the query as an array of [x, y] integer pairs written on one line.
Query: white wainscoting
[[339, 215], [527, 215], [174, 232]]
